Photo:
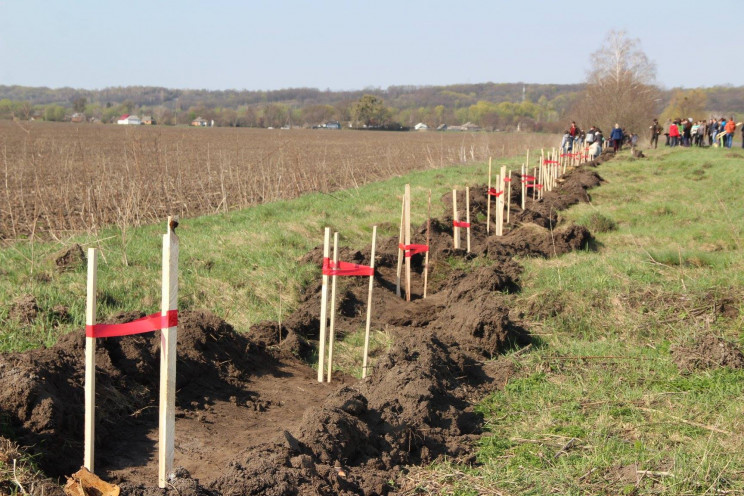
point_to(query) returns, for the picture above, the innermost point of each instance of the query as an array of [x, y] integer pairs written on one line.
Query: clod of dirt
[[728, 307], [707, 353], [85, 483], [60, 314], [536, 241], [24, 309], [70, 259]]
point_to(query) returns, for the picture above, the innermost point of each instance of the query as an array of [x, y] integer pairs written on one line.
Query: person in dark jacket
[[687, 132], [655, 132], [617, 137]]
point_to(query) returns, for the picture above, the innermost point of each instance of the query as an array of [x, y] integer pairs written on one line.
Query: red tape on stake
[[346, 269], [546, 162], [507, 179], [411, 250], [495, 193], [527, 178], [154, 322], [459, 223]]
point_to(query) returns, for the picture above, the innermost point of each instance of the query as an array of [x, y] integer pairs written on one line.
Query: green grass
[[602, 381]]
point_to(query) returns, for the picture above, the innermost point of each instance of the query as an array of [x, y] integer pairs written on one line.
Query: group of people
[[575, 138], [717, 132], [678, 132]]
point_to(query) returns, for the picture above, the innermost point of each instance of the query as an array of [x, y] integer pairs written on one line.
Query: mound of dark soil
[[708, 352], [413, 409], [533, 240], [69, 259], [24, 309], [42, 396]]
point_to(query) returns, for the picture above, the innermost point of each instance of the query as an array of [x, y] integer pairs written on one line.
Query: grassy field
[[599, 406]]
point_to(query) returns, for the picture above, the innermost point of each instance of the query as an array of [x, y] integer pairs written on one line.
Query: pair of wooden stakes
[[502, 193], [545, 176], [166, 322], [333, 268]]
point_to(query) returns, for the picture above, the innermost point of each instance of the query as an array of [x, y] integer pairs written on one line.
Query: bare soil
[[63, 177], [251, 416], [708, 352]]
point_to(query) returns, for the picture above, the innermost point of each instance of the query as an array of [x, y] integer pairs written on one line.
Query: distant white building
[[131, 120], [421, 127]]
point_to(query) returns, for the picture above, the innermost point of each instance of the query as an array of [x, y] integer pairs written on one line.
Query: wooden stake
[[323, 305], [456, 218], [407, 236], [501, 200], [524, 187], [428, 241], [508, 196], [553, 158], [332, 330], [369, 303], [400, 250], [488, 199], [535, 182], [168, 339], [496, 206], [467, 213], [90, 363]]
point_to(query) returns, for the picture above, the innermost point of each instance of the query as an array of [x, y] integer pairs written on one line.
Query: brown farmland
[[62, 178]]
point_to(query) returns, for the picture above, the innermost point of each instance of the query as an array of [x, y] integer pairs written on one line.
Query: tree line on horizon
[[615, 90], [488, 105]]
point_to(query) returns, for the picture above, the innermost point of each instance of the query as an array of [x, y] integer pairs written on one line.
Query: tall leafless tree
[[620, 87]]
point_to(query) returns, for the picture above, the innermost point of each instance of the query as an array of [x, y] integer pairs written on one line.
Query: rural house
[[199, 122], [468, 126], [421, 127], [77, 117], [147, 120], [131, 120]]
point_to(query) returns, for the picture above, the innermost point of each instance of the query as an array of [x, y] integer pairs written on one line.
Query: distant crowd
[[594, 139], [718, 132], [715, 132]]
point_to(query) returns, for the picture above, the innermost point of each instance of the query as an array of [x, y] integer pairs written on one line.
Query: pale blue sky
[[355, 44]]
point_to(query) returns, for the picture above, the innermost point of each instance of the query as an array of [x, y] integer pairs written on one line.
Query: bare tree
[[620, 86]]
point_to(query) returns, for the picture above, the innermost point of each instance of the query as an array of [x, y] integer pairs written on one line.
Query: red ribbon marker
[[346, 269], [154, 322], [546, 162], [527, 184], [495, 193], [507, 179], [459, 223], [411, 250]]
